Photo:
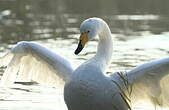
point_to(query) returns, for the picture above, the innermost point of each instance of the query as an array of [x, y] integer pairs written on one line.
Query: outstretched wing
[[30, 61], [148, 83]]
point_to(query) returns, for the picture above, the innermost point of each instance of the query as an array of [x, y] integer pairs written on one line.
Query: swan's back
[[89, 89]]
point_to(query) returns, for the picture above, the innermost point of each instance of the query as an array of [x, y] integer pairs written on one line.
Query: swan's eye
[[88, 31]]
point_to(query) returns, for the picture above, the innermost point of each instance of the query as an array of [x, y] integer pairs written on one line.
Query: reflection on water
[[41, 19], [140, 30]]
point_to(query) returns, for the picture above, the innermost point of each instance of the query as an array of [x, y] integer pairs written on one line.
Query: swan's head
[[89, 29]]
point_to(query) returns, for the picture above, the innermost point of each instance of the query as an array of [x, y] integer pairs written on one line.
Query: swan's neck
[[104, 49]]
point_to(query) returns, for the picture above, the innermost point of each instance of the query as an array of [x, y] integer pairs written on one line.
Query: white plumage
[[31, 61], [87, 87]]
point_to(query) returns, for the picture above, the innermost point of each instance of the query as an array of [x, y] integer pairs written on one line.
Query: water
[[140, 33]]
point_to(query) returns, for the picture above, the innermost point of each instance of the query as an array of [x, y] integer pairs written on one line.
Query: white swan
[[87, 88]]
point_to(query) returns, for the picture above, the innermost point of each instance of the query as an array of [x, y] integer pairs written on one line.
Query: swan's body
[[88, 85], [87, 88]]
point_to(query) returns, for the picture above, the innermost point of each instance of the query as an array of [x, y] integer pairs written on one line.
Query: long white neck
[[104, 49]]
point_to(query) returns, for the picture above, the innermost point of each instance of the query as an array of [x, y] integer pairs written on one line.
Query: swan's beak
[[82, 42]]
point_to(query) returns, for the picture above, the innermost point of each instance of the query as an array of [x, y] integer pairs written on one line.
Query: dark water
[[140, 29], [45, 19]]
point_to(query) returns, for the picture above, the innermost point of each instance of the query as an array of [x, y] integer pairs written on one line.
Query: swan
[[87, 87]]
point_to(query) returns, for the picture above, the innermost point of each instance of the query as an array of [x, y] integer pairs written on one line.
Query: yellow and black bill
[[82, 42]]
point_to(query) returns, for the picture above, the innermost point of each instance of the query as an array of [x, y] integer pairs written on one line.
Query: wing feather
[[147, 83], [150, 82], [30, 61]]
